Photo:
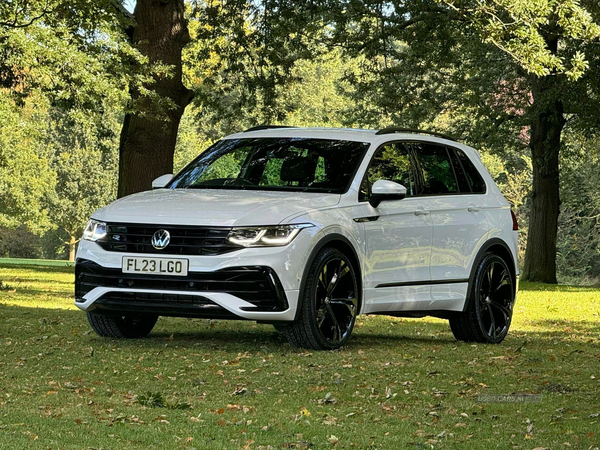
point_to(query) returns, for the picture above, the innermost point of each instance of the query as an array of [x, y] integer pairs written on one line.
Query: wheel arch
[[342, 244], [500, 248]]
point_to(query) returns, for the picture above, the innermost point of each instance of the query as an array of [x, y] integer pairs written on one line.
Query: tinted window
[[463, 183], [436, 170], [391, 162], [295, 164], [475, 180]]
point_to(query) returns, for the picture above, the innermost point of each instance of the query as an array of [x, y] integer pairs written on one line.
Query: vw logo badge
[[161, 239]]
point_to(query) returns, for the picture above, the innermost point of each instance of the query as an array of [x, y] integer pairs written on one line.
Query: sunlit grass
[[400, 383]]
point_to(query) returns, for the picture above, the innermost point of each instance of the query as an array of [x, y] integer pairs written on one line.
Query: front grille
[[257, 285], [162, 305], [185, 240]]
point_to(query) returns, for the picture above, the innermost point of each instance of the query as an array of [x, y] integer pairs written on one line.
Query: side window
[[391, 162], [463, 184], [320, 174], [270, 176], [436, 169], [475, 180]]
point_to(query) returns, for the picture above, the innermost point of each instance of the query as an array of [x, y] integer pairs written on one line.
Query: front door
[[398, 236]]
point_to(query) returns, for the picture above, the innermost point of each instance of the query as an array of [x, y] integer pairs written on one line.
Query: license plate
[[155, 266]]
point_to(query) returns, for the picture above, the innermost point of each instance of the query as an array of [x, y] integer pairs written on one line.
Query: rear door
[[459, 224]]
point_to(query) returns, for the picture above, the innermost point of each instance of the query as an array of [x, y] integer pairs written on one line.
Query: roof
[[354, 134], [348, 134]]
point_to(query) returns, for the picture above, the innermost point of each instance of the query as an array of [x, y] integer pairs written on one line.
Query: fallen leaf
[[330, 420], [329, 399], [240, 390]]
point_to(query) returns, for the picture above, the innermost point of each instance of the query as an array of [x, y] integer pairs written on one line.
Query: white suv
[[305, 229]]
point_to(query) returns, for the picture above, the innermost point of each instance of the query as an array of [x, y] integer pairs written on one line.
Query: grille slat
[[133, 238]]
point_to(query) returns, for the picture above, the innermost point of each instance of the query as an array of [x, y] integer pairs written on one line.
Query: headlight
[[274, 236], [95, 230]]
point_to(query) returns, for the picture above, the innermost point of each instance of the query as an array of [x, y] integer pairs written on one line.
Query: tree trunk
[[546, 129], [147, 143], [72, 248]]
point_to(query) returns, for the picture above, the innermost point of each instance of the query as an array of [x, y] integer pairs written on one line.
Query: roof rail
[[266, 127], [391, 130]]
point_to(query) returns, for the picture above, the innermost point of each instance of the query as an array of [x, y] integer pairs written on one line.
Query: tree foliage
[[63, 72], [26, 181], [58, 55], [488, 71], [520, 29], [493, 72]]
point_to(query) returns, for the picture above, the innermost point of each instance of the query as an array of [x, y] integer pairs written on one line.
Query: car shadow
[[246, 336]]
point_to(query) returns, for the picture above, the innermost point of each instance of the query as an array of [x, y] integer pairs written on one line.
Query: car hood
[[213, 207]]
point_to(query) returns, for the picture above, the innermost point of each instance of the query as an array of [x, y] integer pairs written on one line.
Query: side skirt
[[440, 314], [429, 298]]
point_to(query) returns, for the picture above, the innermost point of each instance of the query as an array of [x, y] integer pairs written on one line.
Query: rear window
[[475, 181], [436, 169]]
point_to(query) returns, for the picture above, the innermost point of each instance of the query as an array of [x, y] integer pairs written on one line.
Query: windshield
[[290, 164]]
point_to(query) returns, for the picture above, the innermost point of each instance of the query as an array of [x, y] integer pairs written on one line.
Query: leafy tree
[[63, 75], [85, 164], [246, 59], [56, 55], [19, 243], [71, 51], [81, 15], [313, 98], [149, 132], [515, 71], [579, 223], [26, 181], [83, 183]]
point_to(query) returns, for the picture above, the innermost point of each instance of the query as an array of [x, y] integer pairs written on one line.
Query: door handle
[[421, 212], [473, 208]]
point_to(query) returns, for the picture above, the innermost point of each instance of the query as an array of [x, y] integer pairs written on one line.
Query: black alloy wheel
[[490, 305], [329, 305], [495, 301], [335, 300]]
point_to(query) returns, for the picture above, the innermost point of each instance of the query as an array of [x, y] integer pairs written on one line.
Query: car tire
[[123, 327], [488, 315], [329, 304]]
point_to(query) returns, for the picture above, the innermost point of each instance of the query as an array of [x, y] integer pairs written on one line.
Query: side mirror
[[162, 181], [386, 190]]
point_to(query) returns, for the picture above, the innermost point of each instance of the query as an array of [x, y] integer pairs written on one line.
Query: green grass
[[399, 383], [34, 262]]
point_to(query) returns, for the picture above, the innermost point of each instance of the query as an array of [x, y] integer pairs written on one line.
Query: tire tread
[[114, 326]]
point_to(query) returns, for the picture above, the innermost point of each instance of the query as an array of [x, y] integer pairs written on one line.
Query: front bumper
[[259, 284], [199, 294]]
